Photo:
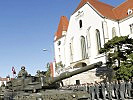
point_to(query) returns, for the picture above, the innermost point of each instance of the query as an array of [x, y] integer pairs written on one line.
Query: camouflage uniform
[[103, 90], [129, 87], [2, 84], [91, 91], [109, 90], [122, 90], [38, 73], [116, 89], [97, 90], [23, 72]]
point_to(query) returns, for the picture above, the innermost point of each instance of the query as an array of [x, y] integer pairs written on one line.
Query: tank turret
[[32, 83]]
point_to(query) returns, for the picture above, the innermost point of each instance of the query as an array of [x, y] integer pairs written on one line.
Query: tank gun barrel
[[70, 74]]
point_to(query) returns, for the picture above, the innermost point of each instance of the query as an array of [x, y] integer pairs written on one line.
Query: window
[[88, 42], [59, 57], [71, 49], [131, 28], [77, 82], [113, 32], [59, 43], [87, 47], [98, 39], [83, 47], [80, 23], [59, 49], [130, 11]]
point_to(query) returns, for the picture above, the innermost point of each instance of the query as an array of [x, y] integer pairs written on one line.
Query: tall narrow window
[[131, 28], [83, 47], [80, 23], [98, 39], [71, 49], [88, 42], [59, 57], [59, 43], [87, 48], [113, 32], [59, 50], [88, 39]]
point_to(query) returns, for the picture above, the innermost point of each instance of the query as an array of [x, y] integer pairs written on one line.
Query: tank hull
[[54, 95], [44, 88]]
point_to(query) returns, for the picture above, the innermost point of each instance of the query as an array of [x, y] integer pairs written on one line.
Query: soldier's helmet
[[23, 67]]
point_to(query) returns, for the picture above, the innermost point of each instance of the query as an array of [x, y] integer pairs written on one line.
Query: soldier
[[122, 87], [129, 87], [103, 90], [2, 84], [38, 73], [88, 86], [91, 91], [22, 73], [112, 88], [97, 90], [116, 88], [109, 90]]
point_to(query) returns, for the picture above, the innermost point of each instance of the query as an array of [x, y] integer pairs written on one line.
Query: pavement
[[115, 99]]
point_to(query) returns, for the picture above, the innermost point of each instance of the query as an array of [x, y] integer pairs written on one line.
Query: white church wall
[[59, 47], [86, 77], [112, 24], [125, 26], [89, 26], [90, 22]]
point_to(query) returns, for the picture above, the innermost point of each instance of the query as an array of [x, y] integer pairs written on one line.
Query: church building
[[77, 41]]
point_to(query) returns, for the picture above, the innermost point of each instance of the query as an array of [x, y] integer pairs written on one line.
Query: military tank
[[44, 88]]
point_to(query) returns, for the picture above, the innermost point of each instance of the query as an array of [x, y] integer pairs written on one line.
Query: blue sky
[[27, 27]]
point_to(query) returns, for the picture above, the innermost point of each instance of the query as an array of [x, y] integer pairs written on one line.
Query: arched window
[[113, 32], [131, 28], [83, 47], [71, 49], [88, 42], [98, 39], [80, 23]]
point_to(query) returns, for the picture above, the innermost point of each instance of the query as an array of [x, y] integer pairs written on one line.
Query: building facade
[[4, 80], [77, 42]]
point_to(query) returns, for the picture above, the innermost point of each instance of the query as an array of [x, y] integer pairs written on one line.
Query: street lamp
[[44, 49]]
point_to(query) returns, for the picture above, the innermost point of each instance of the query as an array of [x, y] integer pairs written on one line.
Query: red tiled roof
[[108, 10], [5, 79], [63, 25], [121, 10]]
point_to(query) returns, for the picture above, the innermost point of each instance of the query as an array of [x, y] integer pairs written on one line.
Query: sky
[[27, 27]]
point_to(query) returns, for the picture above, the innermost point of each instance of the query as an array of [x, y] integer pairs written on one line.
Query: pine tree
[[119, 52]]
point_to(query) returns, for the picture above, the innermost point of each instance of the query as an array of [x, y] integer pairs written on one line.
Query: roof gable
[[63, 25], [108, 11], [102, 8]]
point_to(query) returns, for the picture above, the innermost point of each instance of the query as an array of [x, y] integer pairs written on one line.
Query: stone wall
[[86, 77]]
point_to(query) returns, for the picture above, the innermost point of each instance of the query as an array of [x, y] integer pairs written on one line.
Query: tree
[[119, 52], [126, 69], [59, 65], [48, 70]]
